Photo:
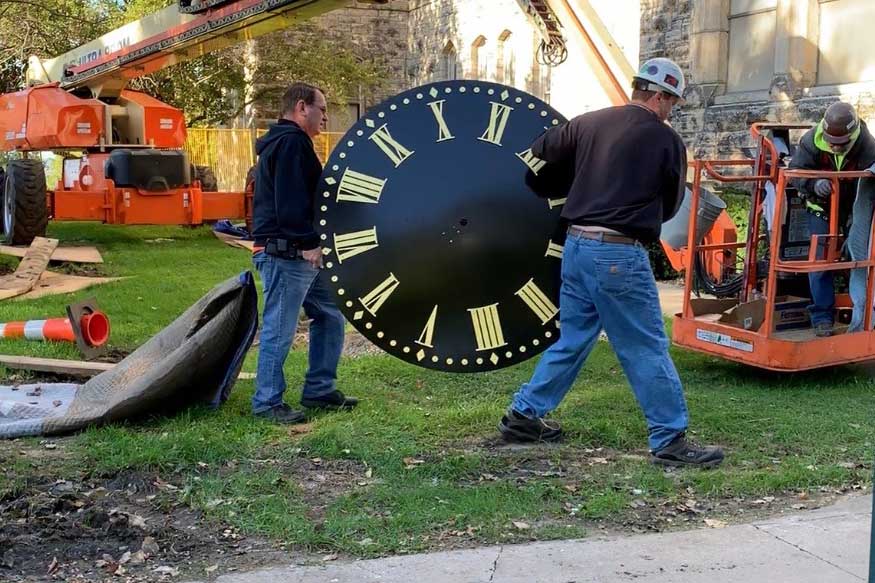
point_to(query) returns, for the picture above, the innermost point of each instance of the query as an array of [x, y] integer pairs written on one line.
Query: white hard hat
[[662, 75]]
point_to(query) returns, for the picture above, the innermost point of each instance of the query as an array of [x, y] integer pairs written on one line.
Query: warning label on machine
[[723, 340]]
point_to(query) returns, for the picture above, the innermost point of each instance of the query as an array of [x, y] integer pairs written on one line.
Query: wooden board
[[234, 241], [29, 270], [51, 283], [78, 368], [69, 254]]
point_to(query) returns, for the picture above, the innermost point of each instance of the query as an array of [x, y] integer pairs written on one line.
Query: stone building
[[761, 60], [746, 60], [420, 41]]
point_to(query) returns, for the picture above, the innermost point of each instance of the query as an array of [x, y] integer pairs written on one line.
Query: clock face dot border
[[512, 352]]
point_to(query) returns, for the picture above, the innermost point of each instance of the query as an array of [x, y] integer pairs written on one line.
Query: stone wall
[[714, 123], [374, 32]]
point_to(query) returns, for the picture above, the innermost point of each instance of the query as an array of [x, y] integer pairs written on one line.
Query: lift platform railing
[[763, 169]]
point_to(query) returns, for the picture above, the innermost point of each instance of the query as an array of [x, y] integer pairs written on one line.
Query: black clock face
[[437, 250]]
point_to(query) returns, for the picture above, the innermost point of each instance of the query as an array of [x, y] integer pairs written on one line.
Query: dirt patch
[[131, 527], [81, 269], [354, 344], [647, 512]]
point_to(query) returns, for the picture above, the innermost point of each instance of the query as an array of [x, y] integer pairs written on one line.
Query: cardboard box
[[791, 313]]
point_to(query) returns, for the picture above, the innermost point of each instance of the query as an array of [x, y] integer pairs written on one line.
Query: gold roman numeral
[[497, 122], [534, 298], [554, 250], [425, 338], [377, 296], [530, 160], [351, 244], [487, 327], [437, 108], [357, 187], [396, 152], [554, 202]]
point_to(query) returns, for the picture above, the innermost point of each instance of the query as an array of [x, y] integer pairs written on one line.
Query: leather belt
[[600, 236]]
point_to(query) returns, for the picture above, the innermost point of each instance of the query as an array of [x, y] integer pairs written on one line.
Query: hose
[[702, 280]]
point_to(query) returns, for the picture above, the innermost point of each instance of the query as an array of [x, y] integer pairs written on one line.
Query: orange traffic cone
[[85, 325]]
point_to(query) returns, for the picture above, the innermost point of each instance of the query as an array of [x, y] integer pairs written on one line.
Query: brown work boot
[[823, 329]]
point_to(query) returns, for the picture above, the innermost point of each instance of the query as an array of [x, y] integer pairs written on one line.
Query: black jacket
[[626, 168], [286, 179], [809, 157]]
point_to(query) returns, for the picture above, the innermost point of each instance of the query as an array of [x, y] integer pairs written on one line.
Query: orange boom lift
[[123, 158]]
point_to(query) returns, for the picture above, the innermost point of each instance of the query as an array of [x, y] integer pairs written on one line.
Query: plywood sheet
[[29, 270], [51, 283], [234, 241], [69, 254]]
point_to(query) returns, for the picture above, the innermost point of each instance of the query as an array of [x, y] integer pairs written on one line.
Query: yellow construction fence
[[231, 152]]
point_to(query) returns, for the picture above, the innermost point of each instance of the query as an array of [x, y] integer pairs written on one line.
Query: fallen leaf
[[53, 566], [51, 446], [714, 523], [410, 462], [211, 569], [149, 547], [369, 473], [125, 558], [798, 506], [300, 429], [521, 525], [366, 541], [137, 521], [599, 460], [332, 557], [165, 570], [138, 558]]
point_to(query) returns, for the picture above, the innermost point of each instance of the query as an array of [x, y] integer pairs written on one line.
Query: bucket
[[674, 232]]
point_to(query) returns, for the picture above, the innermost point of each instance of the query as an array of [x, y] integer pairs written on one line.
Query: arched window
[[478, 58], [448, 66], [505, 70]]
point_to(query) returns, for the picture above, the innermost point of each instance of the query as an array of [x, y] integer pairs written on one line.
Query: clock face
[[437, 250]]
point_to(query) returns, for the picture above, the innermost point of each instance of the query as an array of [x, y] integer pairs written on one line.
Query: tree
[[46, 28], [212, 89]]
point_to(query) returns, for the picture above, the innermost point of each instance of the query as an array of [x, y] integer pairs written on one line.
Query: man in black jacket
[[841, 141], [629, 178], [288, 257]]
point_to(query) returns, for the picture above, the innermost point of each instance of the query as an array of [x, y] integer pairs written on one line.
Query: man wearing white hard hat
[[629, 176]]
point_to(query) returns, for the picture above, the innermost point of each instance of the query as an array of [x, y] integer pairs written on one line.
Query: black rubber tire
[[24, 202], [205, 174]]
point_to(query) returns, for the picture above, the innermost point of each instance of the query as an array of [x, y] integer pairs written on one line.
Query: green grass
[[417, 466]]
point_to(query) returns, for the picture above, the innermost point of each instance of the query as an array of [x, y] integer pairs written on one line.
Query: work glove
[[823, 188]]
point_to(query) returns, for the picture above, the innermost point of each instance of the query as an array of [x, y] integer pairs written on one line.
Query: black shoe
[[682, 452], [823, 329], [517, 427], [333, 401], [282, 414]]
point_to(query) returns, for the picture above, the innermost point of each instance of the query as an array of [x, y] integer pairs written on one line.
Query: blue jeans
[[858, 246], [821, 283], [290, 284], [610, 285]]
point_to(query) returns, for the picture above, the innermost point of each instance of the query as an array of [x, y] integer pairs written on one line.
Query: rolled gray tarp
[[196, 359]]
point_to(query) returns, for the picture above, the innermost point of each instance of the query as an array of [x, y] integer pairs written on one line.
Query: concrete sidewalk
[[828, 545]]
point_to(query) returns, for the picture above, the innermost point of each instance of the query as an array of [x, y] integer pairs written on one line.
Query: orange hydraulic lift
[[752, 328], [123, 159]]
